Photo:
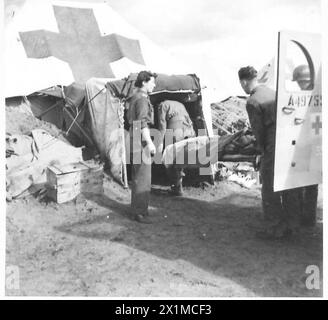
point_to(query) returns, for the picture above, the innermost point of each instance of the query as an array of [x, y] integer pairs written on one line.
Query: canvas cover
[[47, 108], [76, 117], [63, 107], [183, 88], [164, 83], [106, 124]]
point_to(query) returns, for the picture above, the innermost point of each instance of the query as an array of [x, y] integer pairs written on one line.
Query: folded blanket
[[34, 155], [197, 152]]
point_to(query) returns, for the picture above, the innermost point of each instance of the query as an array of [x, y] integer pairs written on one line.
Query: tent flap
[[106, 122]]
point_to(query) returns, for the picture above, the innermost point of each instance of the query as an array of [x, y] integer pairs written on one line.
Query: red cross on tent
[[80, 44]]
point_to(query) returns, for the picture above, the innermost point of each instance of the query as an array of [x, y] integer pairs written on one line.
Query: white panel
[[298, 159]]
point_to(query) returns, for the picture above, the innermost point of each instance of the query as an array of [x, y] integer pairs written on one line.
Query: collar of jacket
[[143, 93], [253, 91], [256, 88]]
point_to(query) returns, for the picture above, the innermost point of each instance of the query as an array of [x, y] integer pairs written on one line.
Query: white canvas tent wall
[[267, 74]]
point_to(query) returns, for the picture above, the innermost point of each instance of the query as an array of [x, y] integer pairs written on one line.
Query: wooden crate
[[65, 182]]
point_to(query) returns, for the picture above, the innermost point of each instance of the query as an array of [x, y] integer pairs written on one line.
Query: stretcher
[[203, 151]]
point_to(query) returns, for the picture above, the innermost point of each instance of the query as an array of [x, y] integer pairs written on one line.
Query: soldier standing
[[309, 194], [140, 117], [280, 209], [175, 125]]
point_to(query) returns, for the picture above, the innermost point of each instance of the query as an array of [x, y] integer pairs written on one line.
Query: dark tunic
[[261, 109], [140, 114], [279, 208], [172, 115], [140, 109]]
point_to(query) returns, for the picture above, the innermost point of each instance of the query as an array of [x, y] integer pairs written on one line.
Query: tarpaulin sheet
[[61, 107], [74, 94], [124, 88], [106, 121]]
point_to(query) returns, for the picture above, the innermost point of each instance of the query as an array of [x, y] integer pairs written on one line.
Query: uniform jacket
[[261, 109], [140, 109], [173, 115]]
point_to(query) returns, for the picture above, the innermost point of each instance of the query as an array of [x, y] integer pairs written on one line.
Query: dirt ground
[[202, 244]]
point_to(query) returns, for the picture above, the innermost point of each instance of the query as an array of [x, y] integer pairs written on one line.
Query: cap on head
[[247, 73], [301, 72]]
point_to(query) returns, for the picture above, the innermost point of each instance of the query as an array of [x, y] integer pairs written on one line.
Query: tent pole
[[120, 112], [125, 174], [49, 109], [81, 129], [78, 113]]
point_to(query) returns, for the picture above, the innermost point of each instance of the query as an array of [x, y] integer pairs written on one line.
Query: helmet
[[301, 72]]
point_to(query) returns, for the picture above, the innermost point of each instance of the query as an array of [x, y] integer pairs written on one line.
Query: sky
[[217, 37]]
